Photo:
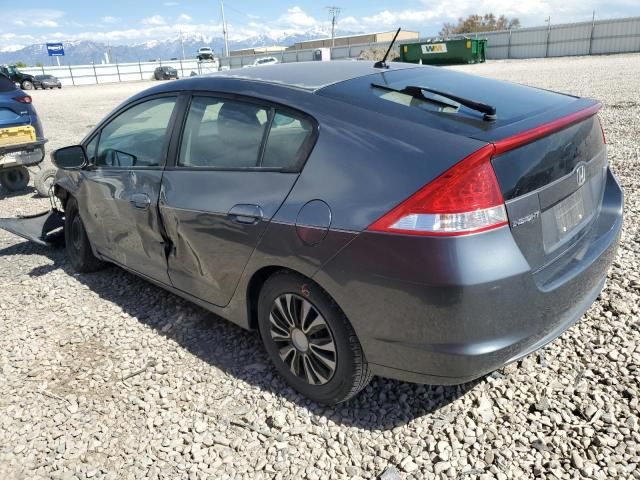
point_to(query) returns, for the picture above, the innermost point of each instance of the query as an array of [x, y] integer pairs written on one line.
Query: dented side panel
[[210, 244]]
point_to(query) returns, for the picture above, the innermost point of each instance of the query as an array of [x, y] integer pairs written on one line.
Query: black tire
[[350, 373], [26, 85], [14, 179], [76, 241], [44, 180]]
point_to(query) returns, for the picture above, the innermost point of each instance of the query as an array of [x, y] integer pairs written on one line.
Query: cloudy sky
[[127, 22]]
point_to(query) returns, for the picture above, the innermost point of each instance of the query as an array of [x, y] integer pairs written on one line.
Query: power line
[[334, 13]]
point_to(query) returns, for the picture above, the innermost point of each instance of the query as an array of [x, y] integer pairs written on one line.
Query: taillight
[[465, 199], [23, 99]]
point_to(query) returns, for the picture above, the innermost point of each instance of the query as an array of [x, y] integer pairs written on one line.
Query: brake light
[[465, 199], [23, 99]]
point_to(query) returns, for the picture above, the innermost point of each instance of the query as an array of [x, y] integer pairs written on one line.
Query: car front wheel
[[309, 339], [76, 241], [26, 85]]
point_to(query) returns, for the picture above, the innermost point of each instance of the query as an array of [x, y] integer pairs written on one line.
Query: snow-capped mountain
[[85, 51]]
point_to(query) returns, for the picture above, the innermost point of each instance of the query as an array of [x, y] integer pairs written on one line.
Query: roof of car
[[307, 75]]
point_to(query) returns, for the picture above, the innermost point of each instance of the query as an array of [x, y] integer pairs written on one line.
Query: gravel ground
[[107, 376]]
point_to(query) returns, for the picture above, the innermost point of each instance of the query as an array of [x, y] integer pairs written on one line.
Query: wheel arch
[[254, 287], [257, 281]]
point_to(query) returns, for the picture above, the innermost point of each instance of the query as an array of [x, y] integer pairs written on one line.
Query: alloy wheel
[[303, 337]]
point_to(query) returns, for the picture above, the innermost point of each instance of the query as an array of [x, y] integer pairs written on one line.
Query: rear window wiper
[[489, 111]]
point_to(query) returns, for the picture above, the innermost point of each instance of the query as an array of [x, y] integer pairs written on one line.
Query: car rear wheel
[[26, 85], [77, 243], [309, 339], [14, 179]]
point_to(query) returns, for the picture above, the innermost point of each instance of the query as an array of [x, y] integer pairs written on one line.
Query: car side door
[[231, 174], [127, 157]]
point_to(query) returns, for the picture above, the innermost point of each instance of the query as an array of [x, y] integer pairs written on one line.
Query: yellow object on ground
[[17, 135]]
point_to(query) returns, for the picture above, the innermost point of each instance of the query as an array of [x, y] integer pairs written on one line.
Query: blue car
[[21, 138]]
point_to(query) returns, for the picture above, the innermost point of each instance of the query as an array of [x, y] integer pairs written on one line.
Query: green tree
[[21, 65], [39, 64], [479, 23]]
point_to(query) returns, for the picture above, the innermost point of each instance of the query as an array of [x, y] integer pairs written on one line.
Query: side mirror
[[70, 158]]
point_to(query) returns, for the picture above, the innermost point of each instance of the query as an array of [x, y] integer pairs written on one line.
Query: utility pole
[[593, 26], [182, 44], [334, 12], [224, 30], [548, 20]]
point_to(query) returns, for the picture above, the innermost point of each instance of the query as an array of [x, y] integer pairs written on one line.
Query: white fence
[[621, 35], [587, 38], [116, 72]]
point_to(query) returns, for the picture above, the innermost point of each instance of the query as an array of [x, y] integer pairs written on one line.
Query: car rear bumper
[[16, 155], [449, 310]]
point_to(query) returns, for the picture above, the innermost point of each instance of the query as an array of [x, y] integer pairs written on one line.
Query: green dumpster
[[445, 52]]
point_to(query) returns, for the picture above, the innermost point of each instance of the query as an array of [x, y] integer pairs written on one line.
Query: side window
[[137, 137], [222, 133], [288, 141]]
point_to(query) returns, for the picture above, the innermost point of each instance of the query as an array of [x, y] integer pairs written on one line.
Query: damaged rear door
[[236, 164]]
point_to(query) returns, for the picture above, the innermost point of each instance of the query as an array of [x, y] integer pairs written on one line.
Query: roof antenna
[[383, 63]]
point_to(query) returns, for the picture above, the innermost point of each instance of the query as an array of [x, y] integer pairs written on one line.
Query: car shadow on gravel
[[383, 405], [5, 194]]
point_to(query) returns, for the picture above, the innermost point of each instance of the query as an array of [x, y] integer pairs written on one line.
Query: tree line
[[479, 23]]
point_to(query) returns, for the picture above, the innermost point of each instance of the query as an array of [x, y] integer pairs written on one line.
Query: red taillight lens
[[604, 138], [464, 199], [23, 99]]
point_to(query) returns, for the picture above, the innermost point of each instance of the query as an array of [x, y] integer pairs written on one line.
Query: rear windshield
[[6, 84], [513, 102]]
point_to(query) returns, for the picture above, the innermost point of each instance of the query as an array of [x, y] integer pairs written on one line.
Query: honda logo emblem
[[581, 175]]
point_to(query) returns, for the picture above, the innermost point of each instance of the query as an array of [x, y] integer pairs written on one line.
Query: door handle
[[246, 214], [140, 200]]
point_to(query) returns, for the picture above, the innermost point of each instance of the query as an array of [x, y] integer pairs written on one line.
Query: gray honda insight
[[368, 219]]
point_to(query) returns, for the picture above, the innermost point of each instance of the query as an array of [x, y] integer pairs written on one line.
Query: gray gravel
[[107, 376]]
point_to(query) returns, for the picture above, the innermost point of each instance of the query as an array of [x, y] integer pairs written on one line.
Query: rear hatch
[[553, 188], [550, 158]]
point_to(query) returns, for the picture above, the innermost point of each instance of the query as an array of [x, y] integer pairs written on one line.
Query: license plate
[[17, 135], [570, 213]]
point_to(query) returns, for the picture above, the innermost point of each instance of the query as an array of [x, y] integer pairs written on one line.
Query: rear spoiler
[[530, 129]]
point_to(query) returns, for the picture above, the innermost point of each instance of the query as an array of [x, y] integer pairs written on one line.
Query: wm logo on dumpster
[[434, 48]]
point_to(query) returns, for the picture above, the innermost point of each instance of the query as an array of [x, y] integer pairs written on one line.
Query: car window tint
[[91, 150], [137, 136], [222, 133], [287, 141]]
